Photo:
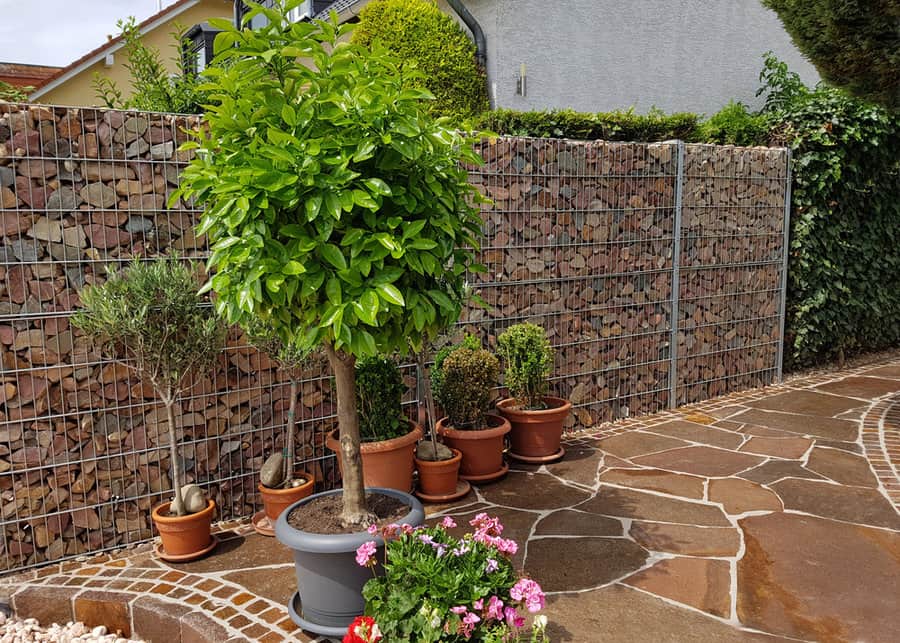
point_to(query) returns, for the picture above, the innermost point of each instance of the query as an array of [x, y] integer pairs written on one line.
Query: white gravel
[[15, 630]]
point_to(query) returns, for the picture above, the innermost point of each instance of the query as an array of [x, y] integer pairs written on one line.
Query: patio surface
[[767, 515]]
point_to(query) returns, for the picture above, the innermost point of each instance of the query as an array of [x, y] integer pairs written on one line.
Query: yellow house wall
[[77, 90]]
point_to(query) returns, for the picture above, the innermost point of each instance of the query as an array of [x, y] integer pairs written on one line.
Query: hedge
[[610, 126]]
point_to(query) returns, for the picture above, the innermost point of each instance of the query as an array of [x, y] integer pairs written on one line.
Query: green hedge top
[[418, 31], [610, 126]]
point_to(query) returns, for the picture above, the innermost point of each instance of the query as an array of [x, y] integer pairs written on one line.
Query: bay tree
[[338, 210]]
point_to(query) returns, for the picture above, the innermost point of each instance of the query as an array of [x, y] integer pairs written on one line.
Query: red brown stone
[[787, 448], [105, 237], [699, 460], [111, 609], [740, 496], [656, 480], [688, 540], [701, 583]]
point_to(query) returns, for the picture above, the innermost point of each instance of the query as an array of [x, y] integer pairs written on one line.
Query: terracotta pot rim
[[561, 405], [503, 428], [379, 445], [457, 455], [310, 480], [199, 516]]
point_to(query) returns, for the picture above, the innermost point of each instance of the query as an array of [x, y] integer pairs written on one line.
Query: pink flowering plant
[[437, 587]]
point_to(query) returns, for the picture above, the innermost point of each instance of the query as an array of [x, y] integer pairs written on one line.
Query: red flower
[[363, 629]]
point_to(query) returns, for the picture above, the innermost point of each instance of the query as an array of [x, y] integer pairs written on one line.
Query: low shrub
[[735, 124], [379, 399], [528, 357], [467, 379]]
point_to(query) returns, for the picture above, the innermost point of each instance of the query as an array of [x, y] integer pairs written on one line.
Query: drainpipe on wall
[[475, 28]]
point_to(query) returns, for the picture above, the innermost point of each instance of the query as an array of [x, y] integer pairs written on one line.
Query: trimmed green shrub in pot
[[536, 418], [150, 317], [463, 379], [379, 397]]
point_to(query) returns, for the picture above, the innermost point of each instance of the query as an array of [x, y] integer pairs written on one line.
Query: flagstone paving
[[769, 515]]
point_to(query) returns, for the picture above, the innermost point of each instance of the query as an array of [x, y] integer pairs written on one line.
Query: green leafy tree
[[418, 32], [13, 94], [855, 44], [337, 208], [154, 88], [150, 317]]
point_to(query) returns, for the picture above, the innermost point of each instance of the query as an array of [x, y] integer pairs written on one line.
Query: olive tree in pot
[[537, 419], [339, 213], [150, 317], [280, 484], [463, 380]]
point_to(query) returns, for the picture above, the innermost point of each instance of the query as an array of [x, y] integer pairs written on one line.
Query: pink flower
[[372, 529], [406, 529], [468, 624], [365, 554], [448, 523], [506, 546], [390, 531], [530, 592], [512, 617], [495, 608], [484, 524], [479, 604], [459, 609]]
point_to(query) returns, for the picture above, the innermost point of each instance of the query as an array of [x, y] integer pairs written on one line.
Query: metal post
[[676, 261], [785, 250]]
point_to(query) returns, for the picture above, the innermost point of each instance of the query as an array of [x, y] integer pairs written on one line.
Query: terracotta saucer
[[539, 459], [262, 524], [490, 477], [183, 558], [462, 489]]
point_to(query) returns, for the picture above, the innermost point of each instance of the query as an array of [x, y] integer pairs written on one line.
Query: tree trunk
[[289, 435], [177, 507], [354, 511]]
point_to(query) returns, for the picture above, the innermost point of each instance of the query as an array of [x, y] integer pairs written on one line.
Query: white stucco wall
[[599, 55]]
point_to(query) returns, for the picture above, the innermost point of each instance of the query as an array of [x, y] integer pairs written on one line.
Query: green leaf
[[377, 186], [390, 294], [313, 205], [333, 255], [333, 290], [289, 115]]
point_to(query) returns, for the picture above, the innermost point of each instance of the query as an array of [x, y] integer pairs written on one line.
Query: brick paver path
[[768, 515]]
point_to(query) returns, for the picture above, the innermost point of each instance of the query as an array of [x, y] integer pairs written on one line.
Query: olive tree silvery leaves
[[338, 210]]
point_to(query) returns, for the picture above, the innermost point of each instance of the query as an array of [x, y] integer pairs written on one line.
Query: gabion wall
[[581, 238]]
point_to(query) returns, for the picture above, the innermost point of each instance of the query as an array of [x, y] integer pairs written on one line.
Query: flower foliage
[[337, 209], [438, 587]]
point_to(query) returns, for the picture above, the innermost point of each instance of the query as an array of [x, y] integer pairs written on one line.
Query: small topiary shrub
[[529, 362], [418, 32], [467, 377], [379, 398]]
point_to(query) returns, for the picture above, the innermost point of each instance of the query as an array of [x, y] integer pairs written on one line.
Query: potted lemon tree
[[150, 317], [536, 418], [338, 212]]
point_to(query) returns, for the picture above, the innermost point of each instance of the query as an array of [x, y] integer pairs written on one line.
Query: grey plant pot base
[[329, 581]]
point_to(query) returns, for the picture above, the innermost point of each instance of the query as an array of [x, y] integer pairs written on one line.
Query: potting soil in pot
[[323, 515]]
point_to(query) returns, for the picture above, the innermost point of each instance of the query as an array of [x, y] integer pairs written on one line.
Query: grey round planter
[[329, 581]]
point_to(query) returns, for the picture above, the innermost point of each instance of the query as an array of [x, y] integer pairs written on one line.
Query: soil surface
[[323, 515]]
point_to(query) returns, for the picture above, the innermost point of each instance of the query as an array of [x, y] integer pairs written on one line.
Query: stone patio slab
[[740, 496], [567, 522], [535, 491], [861, 387], [694, 432], [630, 503], [588, 562], [634, 443], [701, 461], [842, 467], [818, 579], [850, 504], [688, 540], [656, 480], [806, 403], [701, 583], [786, 448], [830, 428]]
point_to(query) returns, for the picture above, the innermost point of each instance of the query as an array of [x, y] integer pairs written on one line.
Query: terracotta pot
[[439, 478], [386, 463], [482, 449], [277, 500], [535, 434], [184, 535]]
